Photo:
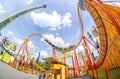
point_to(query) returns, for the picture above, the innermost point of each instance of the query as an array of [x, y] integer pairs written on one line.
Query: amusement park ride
[[107, 31]]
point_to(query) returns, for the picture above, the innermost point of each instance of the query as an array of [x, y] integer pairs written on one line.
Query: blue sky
[[58, 22]]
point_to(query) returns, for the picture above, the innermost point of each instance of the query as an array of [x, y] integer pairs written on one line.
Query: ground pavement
[[7, 72]]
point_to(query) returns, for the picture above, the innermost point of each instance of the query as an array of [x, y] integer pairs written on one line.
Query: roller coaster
[[106, 18]]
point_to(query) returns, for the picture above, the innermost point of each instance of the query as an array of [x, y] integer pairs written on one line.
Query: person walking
[[43, 75], [55, 75], [40, 74]]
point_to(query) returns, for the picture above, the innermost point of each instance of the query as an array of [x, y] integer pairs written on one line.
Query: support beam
[[73, 66], [21, 48], [106, 72], [53, 53], [87, 53], [77, 65], [64, 60], [93, 65]]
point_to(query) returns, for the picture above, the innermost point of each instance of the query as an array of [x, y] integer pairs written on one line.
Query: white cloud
[[10, 32], [57, 34], [66, 21], [53, 21], [30, 43], [29, 1], [1, 9], [18, 41], [35, 55], [43, 54], [58, 41], [80, 49]]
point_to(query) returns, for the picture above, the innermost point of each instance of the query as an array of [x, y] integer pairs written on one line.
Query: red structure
[[21, 64], [21, 49], [53, 53], [93, 65], [73, 67], [76, 64]]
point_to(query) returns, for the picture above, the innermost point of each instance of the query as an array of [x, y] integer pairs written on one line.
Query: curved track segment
[[29, 53], [4, 22], [113, 54], [45, 39], [100, 25], [109, 54]]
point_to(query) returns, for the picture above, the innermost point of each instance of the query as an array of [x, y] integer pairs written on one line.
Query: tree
[[45, 65]]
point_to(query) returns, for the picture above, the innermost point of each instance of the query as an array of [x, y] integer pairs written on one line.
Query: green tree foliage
[[45, 65]]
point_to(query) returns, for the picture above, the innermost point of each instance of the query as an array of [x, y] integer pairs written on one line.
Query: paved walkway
[[7, 72]]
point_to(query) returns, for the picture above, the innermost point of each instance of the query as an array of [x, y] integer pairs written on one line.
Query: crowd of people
[[46, 75]]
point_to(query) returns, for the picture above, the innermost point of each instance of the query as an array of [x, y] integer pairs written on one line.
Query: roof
[[53, 60]]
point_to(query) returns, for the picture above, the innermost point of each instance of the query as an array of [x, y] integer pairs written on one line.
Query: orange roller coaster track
[[99, 18]]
